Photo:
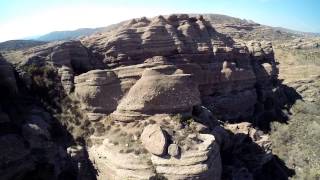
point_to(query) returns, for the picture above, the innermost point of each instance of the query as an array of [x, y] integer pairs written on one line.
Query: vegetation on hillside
[[297, 143], [14, 45], [46, 86]]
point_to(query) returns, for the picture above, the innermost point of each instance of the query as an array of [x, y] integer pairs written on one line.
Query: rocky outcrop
[[113, 165], [161, 67], [63, 53], [69, 58], [201, 163], [98, 90], [163, 89], [67, 76], [119, 154], [223, 69]]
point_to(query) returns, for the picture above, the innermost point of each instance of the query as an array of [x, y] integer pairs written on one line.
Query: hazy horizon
[[22, 19]]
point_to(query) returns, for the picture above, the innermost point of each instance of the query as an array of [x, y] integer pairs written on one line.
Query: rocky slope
[[19, 44], [151, 99]]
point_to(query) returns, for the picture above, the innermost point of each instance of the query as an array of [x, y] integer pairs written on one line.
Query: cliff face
[[148, 95]]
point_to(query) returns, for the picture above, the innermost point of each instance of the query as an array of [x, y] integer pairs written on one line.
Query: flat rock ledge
[[200, 162]]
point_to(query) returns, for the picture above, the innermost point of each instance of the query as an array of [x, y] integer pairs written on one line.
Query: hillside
[[19, 44], [67, 35], [75, 34]]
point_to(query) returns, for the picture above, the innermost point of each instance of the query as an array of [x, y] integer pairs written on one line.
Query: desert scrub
[[297, 143], [43, 80], [46, 86], [184, 119], [310, 108], [129, 150]]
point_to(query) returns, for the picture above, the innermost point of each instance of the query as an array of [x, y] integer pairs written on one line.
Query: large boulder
[[200, 162], [154, 139]]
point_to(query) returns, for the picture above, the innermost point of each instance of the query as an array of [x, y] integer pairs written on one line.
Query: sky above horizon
[[27, 18]]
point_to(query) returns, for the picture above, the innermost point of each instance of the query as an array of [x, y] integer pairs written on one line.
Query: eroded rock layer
[[226, 71]]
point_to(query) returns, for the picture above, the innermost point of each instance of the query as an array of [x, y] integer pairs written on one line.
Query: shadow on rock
[[245, 160], [275, 107]]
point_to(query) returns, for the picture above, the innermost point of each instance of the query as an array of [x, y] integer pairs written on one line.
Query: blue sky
[[23, 18]]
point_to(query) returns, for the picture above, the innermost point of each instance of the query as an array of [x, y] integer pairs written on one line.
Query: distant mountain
[[19, 44], [75, 34], [67, 35]]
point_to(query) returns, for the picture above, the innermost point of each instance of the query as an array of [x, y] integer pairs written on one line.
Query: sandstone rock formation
[[68, 57], [7, 78], [218, 64], [98, 90], [150, 94], [119, 155], [167, 66], [201, 163], [162, 89]]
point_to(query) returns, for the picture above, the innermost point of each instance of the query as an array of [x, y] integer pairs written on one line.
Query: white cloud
[[70, 18]]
